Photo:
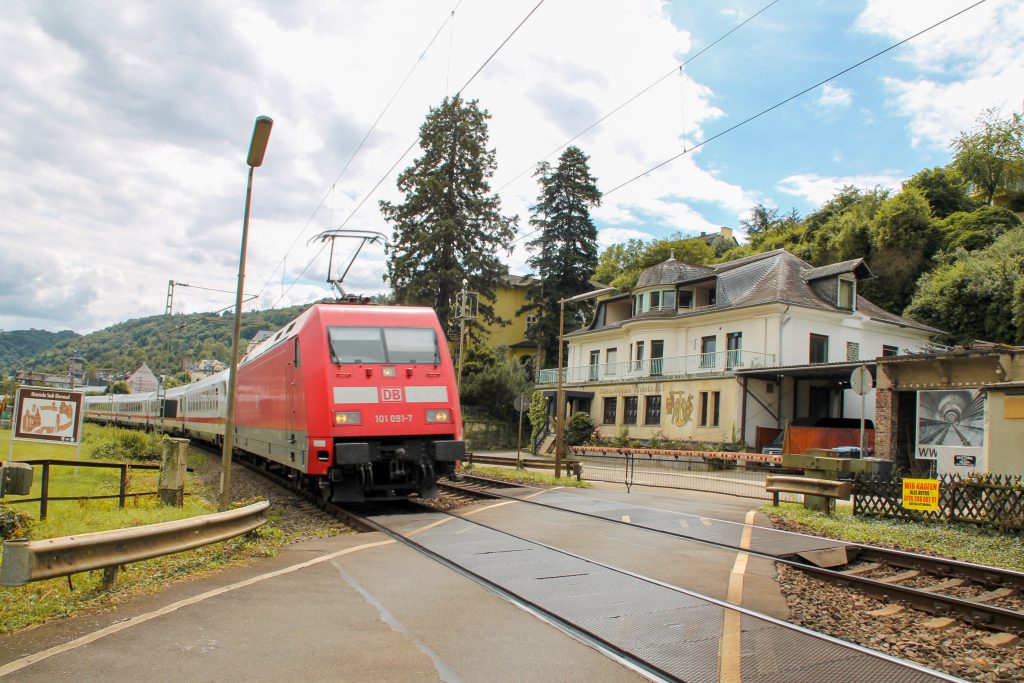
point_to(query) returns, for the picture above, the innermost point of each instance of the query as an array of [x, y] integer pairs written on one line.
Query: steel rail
[[26, 561], [609, 648], [977, 613], [352, 520]]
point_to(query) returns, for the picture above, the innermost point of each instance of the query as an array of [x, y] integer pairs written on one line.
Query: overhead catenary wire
[[449, 18], [677, 69], [774, 106], [399, 160], [791, 98]]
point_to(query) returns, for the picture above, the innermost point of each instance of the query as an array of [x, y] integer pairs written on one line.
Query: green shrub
[[538, 415], [126, 444], [579, 429], [13, 523]]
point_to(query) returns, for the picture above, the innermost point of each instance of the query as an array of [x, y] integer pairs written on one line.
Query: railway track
[[586, 598], [634, 651], [984, 597]]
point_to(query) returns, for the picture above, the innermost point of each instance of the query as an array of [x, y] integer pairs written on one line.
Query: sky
[[124, 127]]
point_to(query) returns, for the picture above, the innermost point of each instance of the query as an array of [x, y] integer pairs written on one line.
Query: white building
[[143, 380], [710, 353]]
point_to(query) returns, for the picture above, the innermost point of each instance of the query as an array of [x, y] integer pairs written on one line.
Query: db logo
[[391, 394]]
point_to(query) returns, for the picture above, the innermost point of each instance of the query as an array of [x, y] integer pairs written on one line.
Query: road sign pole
[[862, 408], [519, 439]]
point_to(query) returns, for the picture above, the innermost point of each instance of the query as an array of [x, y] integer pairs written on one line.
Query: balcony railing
[[698, 364]]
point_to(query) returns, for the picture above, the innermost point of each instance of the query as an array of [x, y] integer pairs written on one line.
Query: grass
[[41, 601], [524, 476], [958, 541]]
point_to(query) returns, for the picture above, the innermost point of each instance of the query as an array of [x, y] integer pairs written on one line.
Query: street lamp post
[[560, 393], [257, 148]]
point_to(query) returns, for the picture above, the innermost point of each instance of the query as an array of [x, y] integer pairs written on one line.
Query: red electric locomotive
[[359, 400]]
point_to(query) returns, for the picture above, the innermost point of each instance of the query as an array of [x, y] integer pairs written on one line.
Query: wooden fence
[[995, 501], [44, 488]]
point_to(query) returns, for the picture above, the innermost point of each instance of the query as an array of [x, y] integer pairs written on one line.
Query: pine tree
[[565, 251], [449, 227]]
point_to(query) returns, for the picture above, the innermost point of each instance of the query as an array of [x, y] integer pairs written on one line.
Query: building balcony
[[721, 363]]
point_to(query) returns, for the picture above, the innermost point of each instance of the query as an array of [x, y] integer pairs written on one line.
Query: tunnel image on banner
[[951, 429]]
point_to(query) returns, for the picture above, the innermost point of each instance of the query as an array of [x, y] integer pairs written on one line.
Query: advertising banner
[[921, 494], [48, 415], [951, 430]]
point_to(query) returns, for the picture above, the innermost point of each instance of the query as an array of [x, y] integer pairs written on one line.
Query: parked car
[[775, 447]]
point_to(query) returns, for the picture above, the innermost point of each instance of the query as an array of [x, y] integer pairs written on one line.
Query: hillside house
[[711, 353], [143, 380]]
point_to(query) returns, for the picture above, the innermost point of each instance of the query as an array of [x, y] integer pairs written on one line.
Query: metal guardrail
[[27, 561]]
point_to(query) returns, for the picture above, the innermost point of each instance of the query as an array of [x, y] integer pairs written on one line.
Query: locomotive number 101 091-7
[[393, 419]]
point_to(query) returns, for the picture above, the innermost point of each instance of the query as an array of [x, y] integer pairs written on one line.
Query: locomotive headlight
[[388, 371], [344, 418], [439, 416]]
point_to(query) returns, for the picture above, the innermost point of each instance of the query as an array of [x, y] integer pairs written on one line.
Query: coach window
[[611, 404], [629, 410]]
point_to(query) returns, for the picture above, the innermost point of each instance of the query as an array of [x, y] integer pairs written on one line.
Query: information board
[[45, 414], [921, 494]]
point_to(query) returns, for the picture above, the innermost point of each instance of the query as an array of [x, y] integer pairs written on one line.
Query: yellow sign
[[921, 494]]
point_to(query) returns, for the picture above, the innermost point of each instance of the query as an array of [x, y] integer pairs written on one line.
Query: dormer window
[[654, 300], [847, 293]]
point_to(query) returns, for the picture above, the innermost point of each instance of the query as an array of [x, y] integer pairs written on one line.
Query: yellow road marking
[[625, 518], [683, 523], [705, 521], [729, 654], [19, 664]]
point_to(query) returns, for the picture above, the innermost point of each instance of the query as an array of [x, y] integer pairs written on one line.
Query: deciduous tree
[[944, 188], [992, 153], [976, 295]]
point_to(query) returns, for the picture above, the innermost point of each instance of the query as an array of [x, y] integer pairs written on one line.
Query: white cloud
[[122, 154], [819, 189], [610, 236], [966, 65], [834, 97]]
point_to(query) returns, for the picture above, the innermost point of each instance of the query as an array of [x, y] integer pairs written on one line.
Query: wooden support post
[[44, 491], [172, 472], [109, 577], [123, 489]]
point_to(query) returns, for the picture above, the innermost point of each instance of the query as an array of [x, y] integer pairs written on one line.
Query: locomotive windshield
[[417, 345]]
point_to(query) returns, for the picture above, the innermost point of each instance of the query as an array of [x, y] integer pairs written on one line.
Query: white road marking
[[19, 664]]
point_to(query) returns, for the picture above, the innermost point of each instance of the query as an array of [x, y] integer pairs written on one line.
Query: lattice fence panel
[[992, 500]]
